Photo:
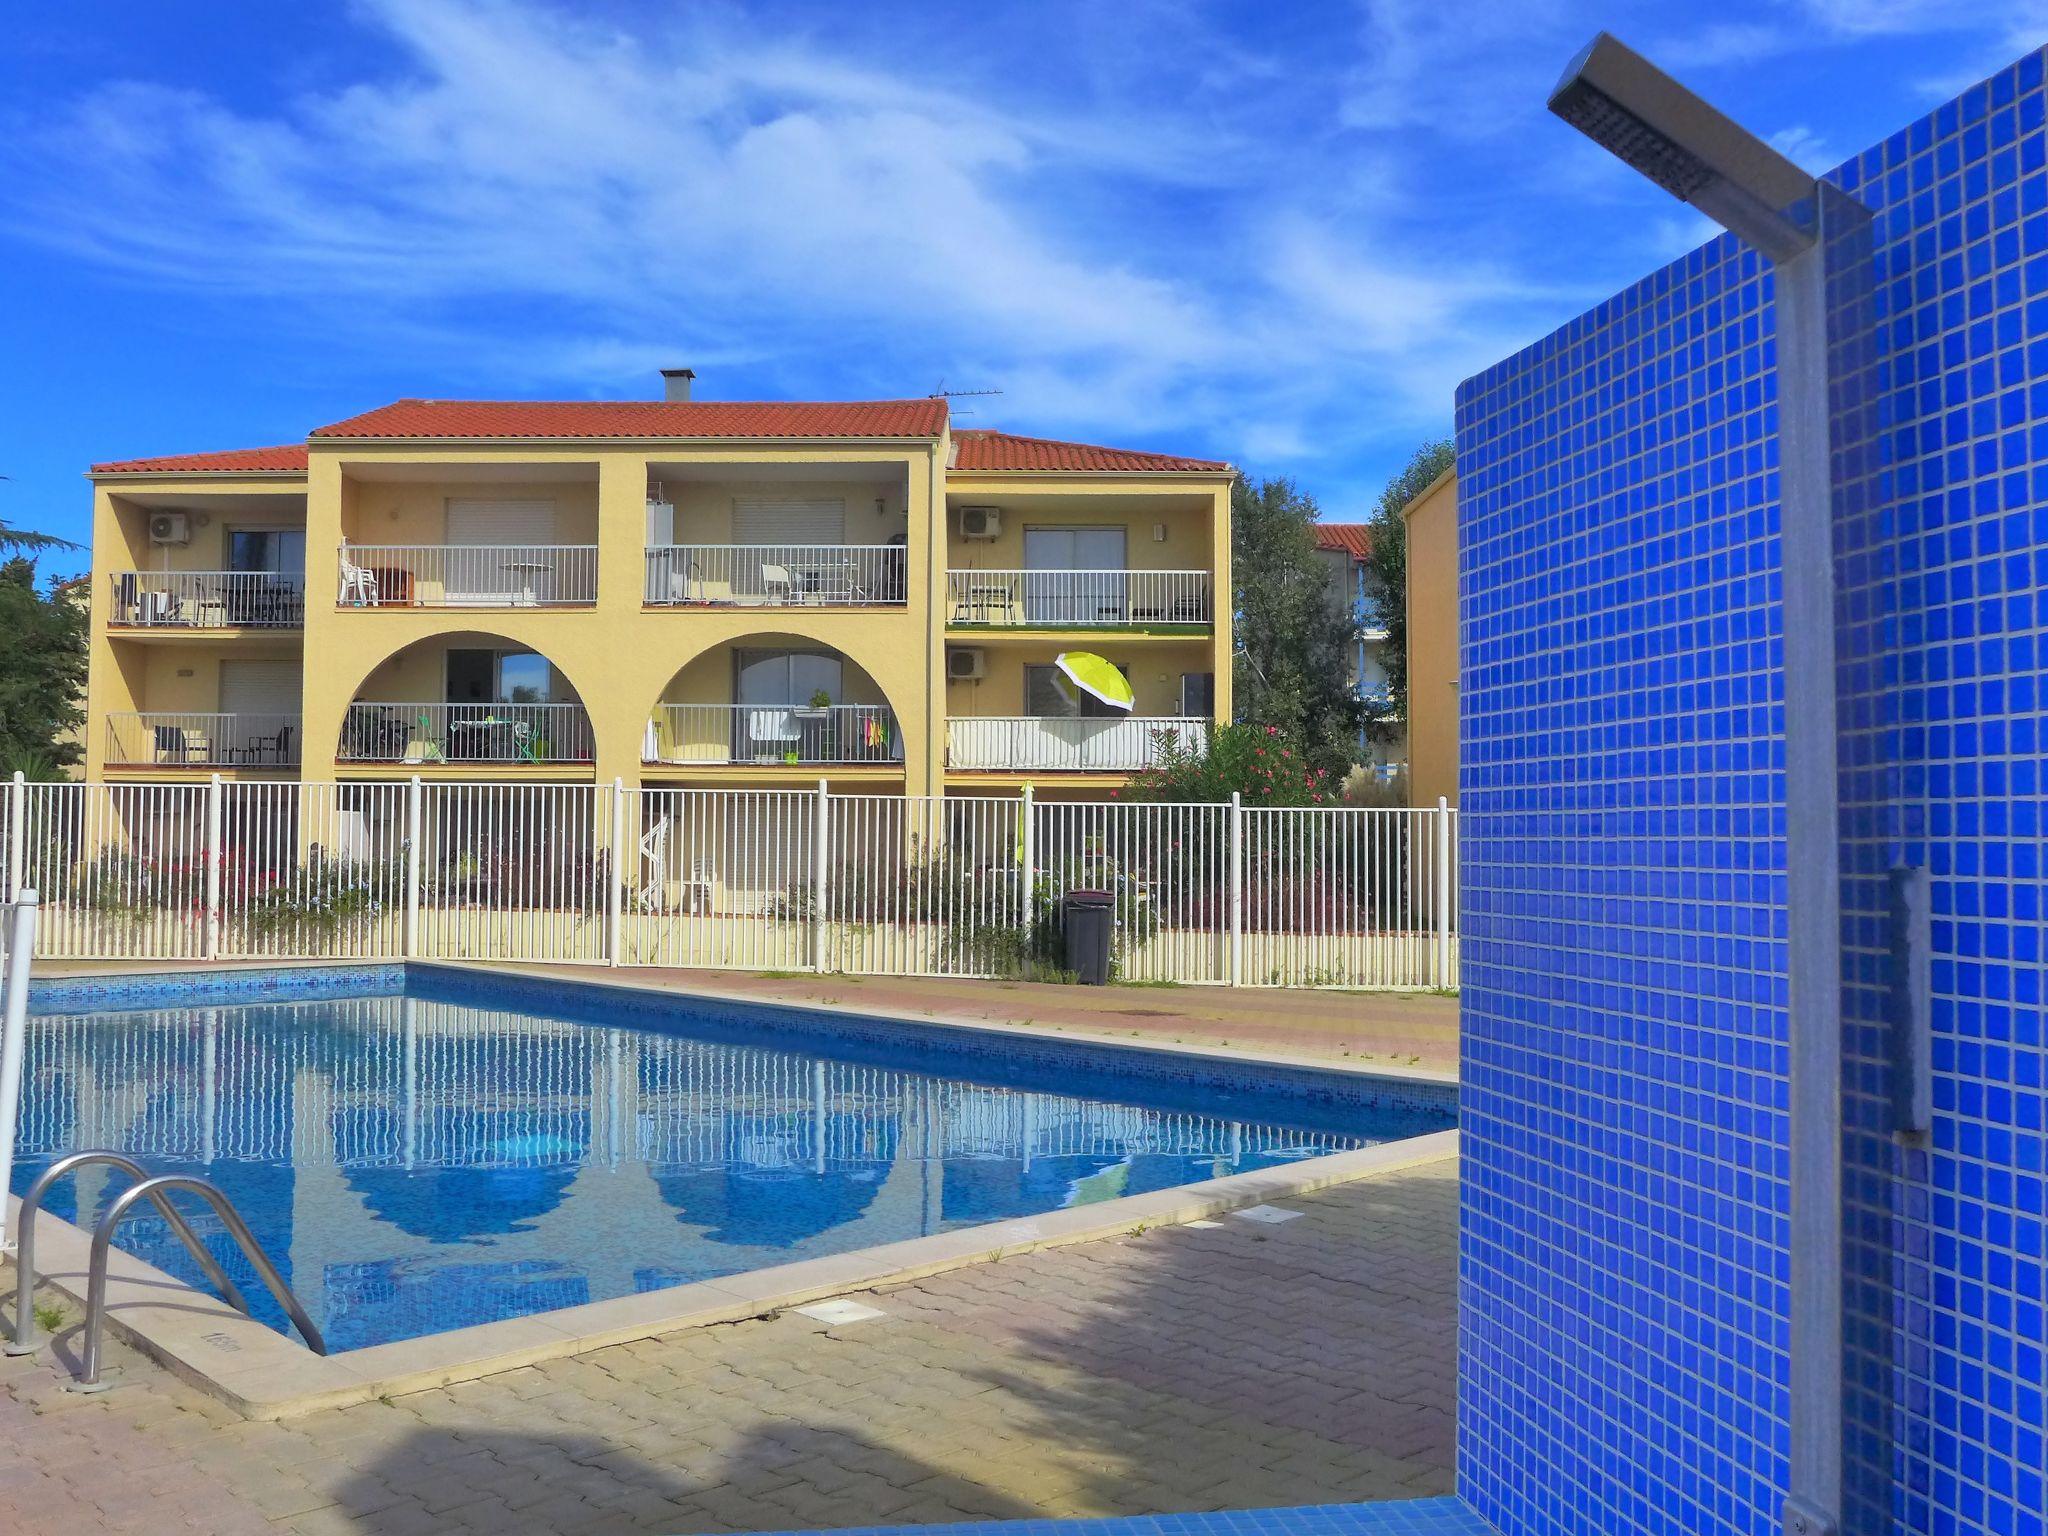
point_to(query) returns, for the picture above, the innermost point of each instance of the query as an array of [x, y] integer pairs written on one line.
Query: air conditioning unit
[[170, 528], [980, 522], [966, 663]]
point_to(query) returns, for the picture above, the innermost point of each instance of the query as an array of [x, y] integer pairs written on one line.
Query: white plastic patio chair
[[772, 730], [357, 585], [776, 584], [653, 893]]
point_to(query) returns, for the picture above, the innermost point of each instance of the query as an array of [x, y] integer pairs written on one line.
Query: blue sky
[[1277, 233]]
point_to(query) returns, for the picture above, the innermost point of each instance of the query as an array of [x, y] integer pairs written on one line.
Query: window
[[785, 679], [1048, 695], [273, 551], [1197, 695], [499, 677]]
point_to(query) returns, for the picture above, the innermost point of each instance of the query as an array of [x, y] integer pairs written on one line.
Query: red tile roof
[[1004, 450], [289, 457], [642, 419], [1353, 539]]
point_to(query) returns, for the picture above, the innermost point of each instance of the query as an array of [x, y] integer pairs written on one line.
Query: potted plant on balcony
[[815, 722]]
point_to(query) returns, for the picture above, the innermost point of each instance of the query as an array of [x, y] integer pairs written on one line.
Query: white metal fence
[[1075, 599], [753, 733], [398, 731], [755, 879], [468, 575], [1106, 744], [776, 575], [208, 740], [208, 600]]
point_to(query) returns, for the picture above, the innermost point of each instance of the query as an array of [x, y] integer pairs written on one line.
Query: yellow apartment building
[[663, 592], [1432, 522]]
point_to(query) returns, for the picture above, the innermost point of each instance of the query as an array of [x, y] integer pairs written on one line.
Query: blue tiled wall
[[1624, 1244]]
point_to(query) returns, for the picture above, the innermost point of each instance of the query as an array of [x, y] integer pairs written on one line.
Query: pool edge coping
[[609, 978], [597, 975], [263, 1374]]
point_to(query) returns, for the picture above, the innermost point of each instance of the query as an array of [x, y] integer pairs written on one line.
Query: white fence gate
[[743, 879]]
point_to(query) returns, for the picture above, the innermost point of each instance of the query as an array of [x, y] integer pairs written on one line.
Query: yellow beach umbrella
[[1096, 677]]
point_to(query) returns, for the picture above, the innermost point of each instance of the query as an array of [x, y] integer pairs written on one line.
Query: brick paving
[[1405, 1029], [1167, 1370]]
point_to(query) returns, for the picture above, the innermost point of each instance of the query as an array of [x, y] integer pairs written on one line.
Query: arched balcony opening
[[773, 700], [467, 698]]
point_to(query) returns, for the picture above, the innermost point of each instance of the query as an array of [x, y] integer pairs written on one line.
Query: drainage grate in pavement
[[836, 1312], [1272, 1215]]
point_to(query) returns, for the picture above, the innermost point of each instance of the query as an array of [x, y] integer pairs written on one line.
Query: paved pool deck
[[1241, 1366]]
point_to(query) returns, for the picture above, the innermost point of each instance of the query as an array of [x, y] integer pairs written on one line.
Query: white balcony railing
[[208, 600], [468, 576], [1077, 599], [751, 733], [1102, 745], [160, 740], [775, 575], [380, 732]]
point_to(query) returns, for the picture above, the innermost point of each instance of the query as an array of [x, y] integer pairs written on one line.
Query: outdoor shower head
[[1646, 119]]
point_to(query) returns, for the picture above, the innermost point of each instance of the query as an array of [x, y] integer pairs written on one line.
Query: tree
[[1386, 564], [22, 540], [1294, 635], [42, 670], [1260, 762]]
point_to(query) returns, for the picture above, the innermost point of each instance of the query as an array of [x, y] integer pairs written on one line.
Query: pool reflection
[[417, 1165]]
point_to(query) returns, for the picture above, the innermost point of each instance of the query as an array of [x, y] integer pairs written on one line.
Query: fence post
[[20, 952], [615, 896], [1444, 979], [819, 854], [213, 858], [1027, 857], [1236, 888], [412, 868], [17, 833]]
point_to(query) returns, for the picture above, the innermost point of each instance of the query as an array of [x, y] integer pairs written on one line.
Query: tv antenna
[[943, 393]]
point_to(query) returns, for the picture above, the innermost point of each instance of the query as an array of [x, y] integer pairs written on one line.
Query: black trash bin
[[1091, 918]]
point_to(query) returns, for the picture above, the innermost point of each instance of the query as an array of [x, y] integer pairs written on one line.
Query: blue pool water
[[445, 1149]]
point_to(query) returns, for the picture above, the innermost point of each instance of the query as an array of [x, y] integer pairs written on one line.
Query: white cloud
[[1801, 144], [701, 195], [1286, 251]]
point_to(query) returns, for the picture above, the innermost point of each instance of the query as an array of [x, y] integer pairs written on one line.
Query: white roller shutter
[[259, 687], [789, 520], [503, 525]]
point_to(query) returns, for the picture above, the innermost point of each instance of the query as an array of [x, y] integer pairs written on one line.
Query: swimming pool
[[426, 1149]]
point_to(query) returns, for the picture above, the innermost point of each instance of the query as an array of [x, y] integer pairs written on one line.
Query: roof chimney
[[675, 383]]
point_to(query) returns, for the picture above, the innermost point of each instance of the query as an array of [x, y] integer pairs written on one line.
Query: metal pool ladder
[[158, 1191]]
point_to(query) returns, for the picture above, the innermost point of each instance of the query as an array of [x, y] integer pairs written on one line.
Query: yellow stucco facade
[[654, 680], [1432, 521]]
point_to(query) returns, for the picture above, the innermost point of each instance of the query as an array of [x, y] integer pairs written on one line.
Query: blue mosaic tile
[[238, 984], [1623, 1245], [1404, 1517], [907, 1042]]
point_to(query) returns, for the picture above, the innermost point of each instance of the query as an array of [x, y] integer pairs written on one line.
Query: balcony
[[187, 600], [1053, 743], [428, 733], [468, 576], [158, 740], [1077, 599], [779, 734], [775, 575]]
